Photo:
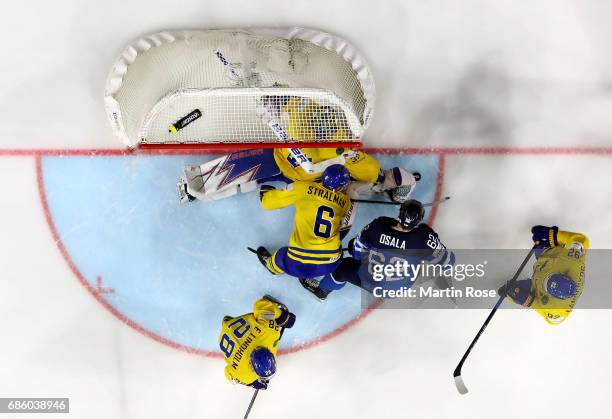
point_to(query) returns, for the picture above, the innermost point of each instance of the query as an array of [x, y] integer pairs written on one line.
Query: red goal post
[[229, 89]]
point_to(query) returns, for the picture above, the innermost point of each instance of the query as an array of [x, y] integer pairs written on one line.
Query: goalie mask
[[325, 123]]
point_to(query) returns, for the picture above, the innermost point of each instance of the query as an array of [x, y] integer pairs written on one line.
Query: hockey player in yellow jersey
[[310, 121], [315, 247], [558, 274], [249, 342], [361, 166], [298, 119]]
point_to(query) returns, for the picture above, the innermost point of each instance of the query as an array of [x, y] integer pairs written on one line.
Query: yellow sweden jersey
[[567, 258], [361, 166], [318, 215], [241, 335], [302, 114]]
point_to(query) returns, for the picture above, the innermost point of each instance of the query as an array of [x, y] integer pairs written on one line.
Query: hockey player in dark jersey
[[383, 240]]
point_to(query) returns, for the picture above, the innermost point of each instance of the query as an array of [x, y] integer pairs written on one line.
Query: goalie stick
[[429, 204], [461, 388]]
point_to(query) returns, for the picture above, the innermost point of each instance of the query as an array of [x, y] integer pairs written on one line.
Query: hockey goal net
[[240, 89]]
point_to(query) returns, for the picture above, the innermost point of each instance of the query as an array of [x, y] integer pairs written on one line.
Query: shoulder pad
[[426, 229], [385, 221]]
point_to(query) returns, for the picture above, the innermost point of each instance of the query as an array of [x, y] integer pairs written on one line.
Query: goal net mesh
[[238, 87]]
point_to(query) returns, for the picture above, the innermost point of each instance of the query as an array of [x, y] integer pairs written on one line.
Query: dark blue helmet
[[411, 213], [561, 286], [335, 177], [263, 362]]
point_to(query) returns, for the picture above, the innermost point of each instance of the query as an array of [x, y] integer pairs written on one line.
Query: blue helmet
[[263, 362], [561, 286], [335, 177], [411, 213]]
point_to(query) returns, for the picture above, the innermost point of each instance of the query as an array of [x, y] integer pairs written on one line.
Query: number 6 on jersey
[[324, 222]]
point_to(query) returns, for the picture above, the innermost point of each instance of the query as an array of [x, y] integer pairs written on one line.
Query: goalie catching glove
[[398, 183]]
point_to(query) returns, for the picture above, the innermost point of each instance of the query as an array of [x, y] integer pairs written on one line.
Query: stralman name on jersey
[[318, 215], [328, 195]]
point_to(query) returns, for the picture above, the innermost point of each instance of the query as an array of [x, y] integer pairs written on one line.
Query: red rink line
[[441, 152], [92, 290], [382, 150], [491, 150], [124, 319]]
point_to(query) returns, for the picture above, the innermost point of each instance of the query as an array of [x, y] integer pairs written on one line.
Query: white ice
[[449, 74]]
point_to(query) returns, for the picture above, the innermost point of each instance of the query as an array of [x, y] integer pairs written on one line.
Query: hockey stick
[[461, 388], [430, 204], [246, 415]]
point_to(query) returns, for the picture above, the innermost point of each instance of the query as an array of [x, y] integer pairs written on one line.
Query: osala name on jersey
[[392, 241], [327, 194]]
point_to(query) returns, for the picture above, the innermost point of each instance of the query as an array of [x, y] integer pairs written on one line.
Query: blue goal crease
[[175, 269]]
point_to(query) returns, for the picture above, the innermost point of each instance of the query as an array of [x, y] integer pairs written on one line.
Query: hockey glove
[[259, 384], [351, 247], [545, 237], [263, 189], [520, 292], [286, 319], [400, 194], [392, 178]]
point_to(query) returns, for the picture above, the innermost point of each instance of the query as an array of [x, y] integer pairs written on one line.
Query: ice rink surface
[[506, 106]]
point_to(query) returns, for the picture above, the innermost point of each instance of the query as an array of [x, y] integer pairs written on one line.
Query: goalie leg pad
[[221, 177]]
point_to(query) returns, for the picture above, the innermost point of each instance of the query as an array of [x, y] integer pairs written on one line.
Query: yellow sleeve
[[325, 153], [228, 374], [292, 105], [300, 114], [363, 167], [279, 198], [566, 238], [265, 310]]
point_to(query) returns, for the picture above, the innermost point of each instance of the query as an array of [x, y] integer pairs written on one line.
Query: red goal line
[[381, 150]]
